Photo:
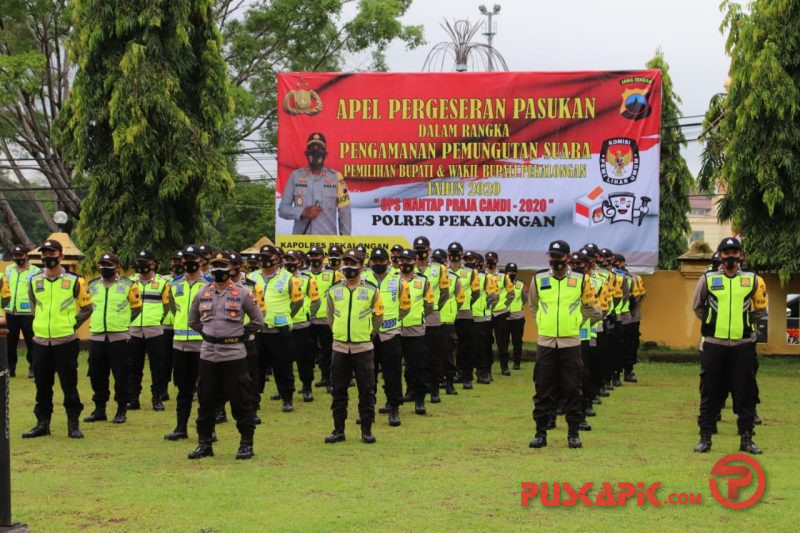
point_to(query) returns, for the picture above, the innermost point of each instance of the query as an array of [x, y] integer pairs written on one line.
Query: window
[[700, 211], [697, 236]]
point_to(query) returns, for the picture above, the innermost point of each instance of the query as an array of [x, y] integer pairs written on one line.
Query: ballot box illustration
[[589, 209]]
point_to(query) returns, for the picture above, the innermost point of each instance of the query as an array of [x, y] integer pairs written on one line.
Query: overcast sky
[[547, 35]]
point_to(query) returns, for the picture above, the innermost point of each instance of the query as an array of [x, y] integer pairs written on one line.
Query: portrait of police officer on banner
[[315, 196]]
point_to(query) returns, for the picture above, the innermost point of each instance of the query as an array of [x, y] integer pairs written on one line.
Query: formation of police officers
[[220, 324]]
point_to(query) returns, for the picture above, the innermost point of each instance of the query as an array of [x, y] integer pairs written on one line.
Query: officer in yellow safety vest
[[638, 295], [320, 332], [117, 302], [729, 303], [447, 315], [465, 332], [186, 341], [60, 304], [626, 359], [301, 321], [19, 314], [561, 301], [355, 314], [516, 311], [176, 269], [613, 339], [387, 344], [594, 380], [436, 274], [395, 252], [147, 331], [482, 318], [412, 331], [500, 313], [282, 299]]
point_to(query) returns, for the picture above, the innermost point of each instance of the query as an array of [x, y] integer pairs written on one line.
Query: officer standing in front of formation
[[447, 315], [436, 275], [60, 304], [117, 302], [316, 197], [387, 344], [19, 314], [355, 313], [218, 314], [516, 315], [561, 300], [282, 299], [412, 330], [301, 322], [147, 331], [186, 341], [729, 303], [320, 332]]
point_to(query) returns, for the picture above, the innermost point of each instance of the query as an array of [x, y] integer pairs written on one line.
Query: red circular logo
[[741, 477]]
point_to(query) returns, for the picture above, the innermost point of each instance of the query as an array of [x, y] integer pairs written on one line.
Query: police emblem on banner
[[302, 100], [636, 98], [619, 161]]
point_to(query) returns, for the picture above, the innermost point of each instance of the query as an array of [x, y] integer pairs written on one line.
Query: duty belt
[[224, 340]]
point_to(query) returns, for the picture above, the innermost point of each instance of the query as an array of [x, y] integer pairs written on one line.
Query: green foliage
[[246, 217], [675, 178], [753, 147], [145, 123], [298, 35]]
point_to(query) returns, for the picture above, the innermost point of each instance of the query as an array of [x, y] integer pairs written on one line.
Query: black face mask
[[558, 264], [178, 269], [470, 265], [291, 267], [266, 263], [421, 254], [406, 268], [491, 263], [20, 262], [315, 263], [221, 276], [334, 262], [512, 277], [51, 262], [351, 272], [578, 269], [731, 262], [142, 269], [108, 272], [395, 260], [191, 266], [236, 271], [380, 269]]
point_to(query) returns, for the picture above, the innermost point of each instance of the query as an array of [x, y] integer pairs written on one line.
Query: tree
[[246, 217], [753, 139], [145, 123], [675, 178]]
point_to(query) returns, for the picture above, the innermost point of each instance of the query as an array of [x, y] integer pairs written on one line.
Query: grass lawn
[[458, 468]]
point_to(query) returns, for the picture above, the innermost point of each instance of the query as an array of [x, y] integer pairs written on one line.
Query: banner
[[498, 161]]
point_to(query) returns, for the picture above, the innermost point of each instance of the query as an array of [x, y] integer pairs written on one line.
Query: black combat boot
[[158, 404], [419, 407], [583, 425], [337, 435], [467, 384], [746, 444], [435, 398], [540, 439], [630, 377], [307, 396], [221, 416], [551, 424], [204, 449], [386, 409], [449, 389], [134, 404], [41, 429], [504, 370], [409, 397], [73, 428], [366, 433], [517, 366], [615, 380], [394, 416], [178, 433], [275, 397], [757, 420], [323, 382], [704, 445], [573, 438], [120, 417], [245, 449], [288, 406], [98, 415]]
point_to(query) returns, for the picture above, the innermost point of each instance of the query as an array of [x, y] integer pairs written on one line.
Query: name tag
[[39, 285], [337, 294], [363, 294], [121, 289]]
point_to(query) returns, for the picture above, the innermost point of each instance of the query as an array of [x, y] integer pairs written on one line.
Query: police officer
[[395, 252], [482, 319], [176, 270], [465, 332], [218, 314], [117, 302], [316, 197], [282, 299], [355, 313], [500, 312], [320, 334], [516, 311], [186, 341], [637, 297], [147, 331], [447, 314], [412, 331], [387, 343], [19, 315], [60, 304], [595, 331], [728, 302], [561, 300], [206, 251], [436, 275], [301, 322]]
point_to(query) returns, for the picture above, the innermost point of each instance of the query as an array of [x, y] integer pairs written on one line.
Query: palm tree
[[462, 50]]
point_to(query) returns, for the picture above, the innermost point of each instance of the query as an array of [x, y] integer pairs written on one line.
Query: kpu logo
[[619, 161]]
